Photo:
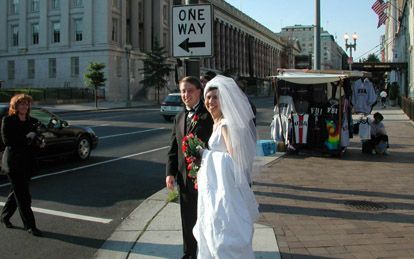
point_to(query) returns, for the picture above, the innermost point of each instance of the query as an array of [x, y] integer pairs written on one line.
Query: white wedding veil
[[239, 116]]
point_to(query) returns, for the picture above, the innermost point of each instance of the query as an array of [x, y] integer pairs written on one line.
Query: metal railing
[[407, 104]]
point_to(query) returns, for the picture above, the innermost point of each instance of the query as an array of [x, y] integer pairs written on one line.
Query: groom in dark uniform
[[191, 91]]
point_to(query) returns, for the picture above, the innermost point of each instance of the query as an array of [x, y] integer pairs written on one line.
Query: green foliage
[[394, 91], [172, 196], [156, 69], [372, 58], [95, 78]]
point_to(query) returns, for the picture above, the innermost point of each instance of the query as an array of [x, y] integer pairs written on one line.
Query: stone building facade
[[49, 43]]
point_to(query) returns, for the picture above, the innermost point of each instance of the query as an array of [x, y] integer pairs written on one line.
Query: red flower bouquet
[[190, 146]]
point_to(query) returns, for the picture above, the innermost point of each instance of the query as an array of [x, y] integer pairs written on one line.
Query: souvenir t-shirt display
[[345, 129], [331, 123], [300, 128], [279, 128], [316, 128], [285, 105], [301, 102], [364, 129], [363, 96], [319, 93]]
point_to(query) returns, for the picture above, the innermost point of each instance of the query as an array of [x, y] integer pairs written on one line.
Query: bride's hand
[[200, 151]]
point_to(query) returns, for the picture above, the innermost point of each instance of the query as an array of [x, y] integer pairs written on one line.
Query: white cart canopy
[[309, 78]]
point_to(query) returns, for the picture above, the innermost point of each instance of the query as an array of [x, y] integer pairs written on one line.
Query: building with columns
[[244, 47], [49, 43]]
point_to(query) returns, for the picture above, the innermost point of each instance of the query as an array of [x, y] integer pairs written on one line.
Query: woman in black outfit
[[18, 131]]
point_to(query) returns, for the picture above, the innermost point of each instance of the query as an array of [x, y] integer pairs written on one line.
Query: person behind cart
[[379, 138], [383, 96]]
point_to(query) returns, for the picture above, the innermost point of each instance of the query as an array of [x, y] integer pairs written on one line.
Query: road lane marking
[[96, 126], [130, 133], [92, 165], [69, 215]]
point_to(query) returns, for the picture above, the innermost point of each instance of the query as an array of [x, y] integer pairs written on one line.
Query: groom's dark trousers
[[176, 167]]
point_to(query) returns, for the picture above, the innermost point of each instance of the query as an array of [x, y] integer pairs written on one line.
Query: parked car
[[61, 139], [171, 106]]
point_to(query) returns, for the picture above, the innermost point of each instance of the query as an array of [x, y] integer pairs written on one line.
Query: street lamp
[[127, 52], [350, 46]]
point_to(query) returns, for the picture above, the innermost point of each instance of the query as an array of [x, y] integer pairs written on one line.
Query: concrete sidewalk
[[153, 230]]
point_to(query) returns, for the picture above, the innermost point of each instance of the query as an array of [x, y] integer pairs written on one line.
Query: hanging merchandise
[[364, 129], [332, 125], [321, 118], [363, 96], [301, 99], [285, 105], [279, 128], [319, 93], [345, 130], [316, 129], [300, 128]]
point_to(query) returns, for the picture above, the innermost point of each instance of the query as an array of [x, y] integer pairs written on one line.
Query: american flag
[[379, 7], [381, 19]]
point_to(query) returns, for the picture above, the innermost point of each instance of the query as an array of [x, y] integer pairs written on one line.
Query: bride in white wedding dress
[[227, 208]]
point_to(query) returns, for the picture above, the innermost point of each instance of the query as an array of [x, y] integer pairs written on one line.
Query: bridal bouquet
[[190, 147]]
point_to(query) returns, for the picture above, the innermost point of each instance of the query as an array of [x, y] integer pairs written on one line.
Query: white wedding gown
[[226, 212]]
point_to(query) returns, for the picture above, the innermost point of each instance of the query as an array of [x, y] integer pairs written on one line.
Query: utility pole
[[317, 36], [192, 65]]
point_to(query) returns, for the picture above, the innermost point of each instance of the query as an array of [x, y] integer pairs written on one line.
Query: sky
[[337, 17]]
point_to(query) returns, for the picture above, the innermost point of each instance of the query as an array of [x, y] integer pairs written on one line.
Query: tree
[[372, 58], [95, 78], [156, 69]]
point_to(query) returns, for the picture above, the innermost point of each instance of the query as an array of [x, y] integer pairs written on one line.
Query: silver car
[[171, 106]]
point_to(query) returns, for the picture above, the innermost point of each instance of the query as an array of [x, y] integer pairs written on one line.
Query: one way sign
[[192, 32]]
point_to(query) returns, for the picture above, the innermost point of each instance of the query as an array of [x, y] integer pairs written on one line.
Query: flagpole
[[317, 36]]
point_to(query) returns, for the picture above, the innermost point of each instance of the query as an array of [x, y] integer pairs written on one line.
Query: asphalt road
[[79, 204]]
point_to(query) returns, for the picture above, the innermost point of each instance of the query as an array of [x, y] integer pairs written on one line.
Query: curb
[[123, 239]]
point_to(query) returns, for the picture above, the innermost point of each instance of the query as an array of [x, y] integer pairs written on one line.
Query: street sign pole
[[192, 65]]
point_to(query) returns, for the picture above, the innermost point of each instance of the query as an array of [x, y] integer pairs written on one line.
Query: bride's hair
[[236, 108]]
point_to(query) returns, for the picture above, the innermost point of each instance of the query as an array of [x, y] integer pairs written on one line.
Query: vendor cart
[[313, 110]]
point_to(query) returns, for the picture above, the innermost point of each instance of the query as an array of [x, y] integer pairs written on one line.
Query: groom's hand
[[169, 181]]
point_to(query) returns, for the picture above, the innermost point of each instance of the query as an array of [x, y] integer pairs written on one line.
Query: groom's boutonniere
[[194, 120], [190, 148]]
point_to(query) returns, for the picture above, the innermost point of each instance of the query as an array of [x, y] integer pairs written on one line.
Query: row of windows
[[74, 68], [31, 68], [55, 32], [34, 5]]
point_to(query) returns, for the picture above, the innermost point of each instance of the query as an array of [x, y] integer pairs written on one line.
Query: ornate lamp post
[[350, 46]]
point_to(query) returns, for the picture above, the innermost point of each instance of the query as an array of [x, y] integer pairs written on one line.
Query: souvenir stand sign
[[312, 111]]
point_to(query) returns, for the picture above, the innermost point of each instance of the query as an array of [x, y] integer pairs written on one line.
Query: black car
[[61, 139]]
